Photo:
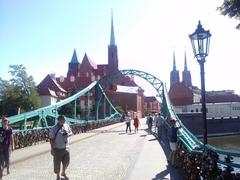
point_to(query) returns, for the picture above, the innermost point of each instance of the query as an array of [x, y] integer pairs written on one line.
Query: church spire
[[112, 51], [174, 61], [185, 62], [186, 74], [174, 75], [74, 57], [112, 37]]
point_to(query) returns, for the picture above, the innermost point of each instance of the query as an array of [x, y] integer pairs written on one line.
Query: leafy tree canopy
[[231, 8], [19, 93]]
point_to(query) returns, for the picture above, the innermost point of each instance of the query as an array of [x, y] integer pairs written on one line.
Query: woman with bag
[[136, 124]]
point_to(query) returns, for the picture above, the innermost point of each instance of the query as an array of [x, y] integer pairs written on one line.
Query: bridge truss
[[189, 146]]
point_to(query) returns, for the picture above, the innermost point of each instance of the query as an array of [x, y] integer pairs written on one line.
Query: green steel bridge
[[196, 159]]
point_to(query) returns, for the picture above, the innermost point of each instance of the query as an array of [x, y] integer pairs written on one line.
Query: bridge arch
[[156, 83], [189, 143]]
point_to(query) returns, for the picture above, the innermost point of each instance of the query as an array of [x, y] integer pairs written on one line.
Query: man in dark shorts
[[60, 146]]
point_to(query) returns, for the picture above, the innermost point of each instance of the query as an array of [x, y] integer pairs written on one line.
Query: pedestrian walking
[[59, 140], [6, 144], [150, 122], [128, 122], [159, 124], [155, 122], [136, 124], [173, 143]]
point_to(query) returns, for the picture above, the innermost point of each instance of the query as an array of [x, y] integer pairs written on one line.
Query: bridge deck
[[104, 153]]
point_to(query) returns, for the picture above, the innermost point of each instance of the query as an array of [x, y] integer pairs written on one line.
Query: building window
[[87, 74], [235, 108], [98, 77], [82, 103], [197, 110], [78, 74], [72, 79], [93, 78], [61, 78]]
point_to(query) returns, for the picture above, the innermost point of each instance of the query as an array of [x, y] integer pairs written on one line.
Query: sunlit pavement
[[106, 153]]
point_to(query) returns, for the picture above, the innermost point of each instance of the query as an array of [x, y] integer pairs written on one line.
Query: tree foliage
[[120, 109], [19, 93], [231, 8], [68, 109]]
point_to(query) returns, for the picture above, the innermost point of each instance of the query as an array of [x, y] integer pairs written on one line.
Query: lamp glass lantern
[[200, 40]]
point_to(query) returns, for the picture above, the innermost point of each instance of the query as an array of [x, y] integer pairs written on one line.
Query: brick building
[[184, 93], [80, 75], [152, 105]]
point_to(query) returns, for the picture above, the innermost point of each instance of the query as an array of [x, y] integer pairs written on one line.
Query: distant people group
[[128, 119], [157, 122]]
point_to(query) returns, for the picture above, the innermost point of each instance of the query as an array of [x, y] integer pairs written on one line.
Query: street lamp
[[200, 40]]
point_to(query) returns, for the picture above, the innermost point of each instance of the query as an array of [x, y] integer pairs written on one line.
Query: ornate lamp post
[[200, 40]]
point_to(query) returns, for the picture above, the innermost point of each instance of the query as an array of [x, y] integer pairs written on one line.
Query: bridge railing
[[197, 159], [29, 137]]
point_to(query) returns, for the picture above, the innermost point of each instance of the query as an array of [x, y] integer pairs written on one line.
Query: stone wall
[[215, 126]]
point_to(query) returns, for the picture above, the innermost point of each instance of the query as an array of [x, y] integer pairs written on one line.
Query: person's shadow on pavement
[[175, 174]]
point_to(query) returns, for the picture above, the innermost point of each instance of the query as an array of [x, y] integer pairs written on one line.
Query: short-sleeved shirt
[[5, 136], [60, 134], [127, 119]]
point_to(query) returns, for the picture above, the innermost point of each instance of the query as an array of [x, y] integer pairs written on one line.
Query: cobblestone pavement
[[106, 154]]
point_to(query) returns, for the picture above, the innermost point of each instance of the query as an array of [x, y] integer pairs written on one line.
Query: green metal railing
[[190, 142], [40, 118]]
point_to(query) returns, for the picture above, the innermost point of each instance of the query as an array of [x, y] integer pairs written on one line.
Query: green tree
[[231, 8], [3, 85], [119, 109], [67, 110], [19, 93]]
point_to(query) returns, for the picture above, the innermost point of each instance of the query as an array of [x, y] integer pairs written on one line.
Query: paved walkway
[[106, 153]]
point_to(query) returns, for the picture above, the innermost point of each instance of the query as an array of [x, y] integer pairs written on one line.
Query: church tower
[[73, 65], [174, 75], [186, 74], [112, 51]]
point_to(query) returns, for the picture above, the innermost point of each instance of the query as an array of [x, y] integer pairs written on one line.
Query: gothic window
[[72, 79], [82, 103], [61, 78]]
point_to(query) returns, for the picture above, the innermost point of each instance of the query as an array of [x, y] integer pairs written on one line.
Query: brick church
[[80, 74], [183, 93]]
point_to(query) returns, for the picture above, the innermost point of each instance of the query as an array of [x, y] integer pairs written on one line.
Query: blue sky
[[42, 35]]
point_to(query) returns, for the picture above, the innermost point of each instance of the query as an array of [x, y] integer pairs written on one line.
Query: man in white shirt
[[128, 122], [59, 141], [159, 123]]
